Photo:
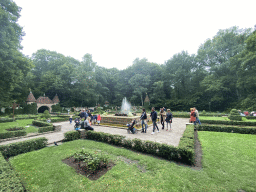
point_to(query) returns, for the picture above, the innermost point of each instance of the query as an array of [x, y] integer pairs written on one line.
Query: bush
[[11, 134], [4, 120], [228, 129], [71, 135], [234, 115], [244, 123], [23, 147], [9, 180], [45, 129], [41, 123]]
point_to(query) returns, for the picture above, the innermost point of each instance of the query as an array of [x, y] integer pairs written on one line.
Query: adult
[[89, 115], [83, 114], [197, 116], [143, 119], [162, 116], [70, 119], [153, 116], [87, 124], [131, 126], [168, 119], [192, 116]]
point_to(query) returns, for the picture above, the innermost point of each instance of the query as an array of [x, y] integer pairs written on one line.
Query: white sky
[[115, 32]]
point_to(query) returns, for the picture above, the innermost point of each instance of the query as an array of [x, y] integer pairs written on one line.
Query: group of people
[[194, 116], [165, 117], [87, 118]]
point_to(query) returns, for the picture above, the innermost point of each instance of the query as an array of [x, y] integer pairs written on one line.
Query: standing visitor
[[153, 116], [192, 116], [197, 116], [70, 119], [168, 119], [162, 116], [143, 119], [98, 119]]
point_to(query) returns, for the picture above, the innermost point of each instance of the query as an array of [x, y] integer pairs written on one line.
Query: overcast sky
[[115, 32]]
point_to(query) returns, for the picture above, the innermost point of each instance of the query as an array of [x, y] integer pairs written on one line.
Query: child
[[131, 126], [98, 119], [70, 119]]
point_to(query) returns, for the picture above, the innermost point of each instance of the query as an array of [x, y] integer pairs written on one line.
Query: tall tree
[[13, 64]]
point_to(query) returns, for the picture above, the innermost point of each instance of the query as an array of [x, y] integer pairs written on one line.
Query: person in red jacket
[[192, 116], [98, 119]]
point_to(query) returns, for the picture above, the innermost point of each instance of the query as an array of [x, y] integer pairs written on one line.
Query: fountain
[[123, 117]]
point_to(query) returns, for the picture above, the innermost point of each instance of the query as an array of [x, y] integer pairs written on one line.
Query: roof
[[31, 97], [44, 100], [56, 99]]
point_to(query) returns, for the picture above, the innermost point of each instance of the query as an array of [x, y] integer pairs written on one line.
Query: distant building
[[43, 101]]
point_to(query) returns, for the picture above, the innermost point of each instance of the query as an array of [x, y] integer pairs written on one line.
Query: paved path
[[169, 137]]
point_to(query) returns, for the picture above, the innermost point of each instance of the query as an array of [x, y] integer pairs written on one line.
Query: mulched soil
[[90, 175]]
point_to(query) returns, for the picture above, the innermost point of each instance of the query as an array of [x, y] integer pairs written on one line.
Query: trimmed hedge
[[4, 120], [228, 129], [46, 129], [71, 135], [11, 134], [41, 123], [185, 152], [250, 117], [23, 147], [244, 123], [9, 181]]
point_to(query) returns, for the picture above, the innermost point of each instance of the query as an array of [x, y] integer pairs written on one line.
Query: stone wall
[[118, 119]]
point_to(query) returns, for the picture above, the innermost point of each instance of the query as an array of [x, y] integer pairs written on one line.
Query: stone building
[[43, 102]]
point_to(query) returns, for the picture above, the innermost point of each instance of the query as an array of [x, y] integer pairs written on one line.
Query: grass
[[18, 123], [228, 165]]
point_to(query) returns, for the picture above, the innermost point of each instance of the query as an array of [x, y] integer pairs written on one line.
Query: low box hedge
[[244, 123], [4, 120], [184, 152], [71, 135], [226, 128], [250, 117], [41, 123], [14, 149], [46, 129], [9, 181], [11, 134]]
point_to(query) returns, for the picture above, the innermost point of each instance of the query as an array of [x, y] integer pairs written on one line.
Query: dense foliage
[[218, 78]]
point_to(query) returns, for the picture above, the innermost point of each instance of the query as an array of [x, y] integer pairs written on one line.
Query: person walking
[[70, 119], [168, 119], [197, 116], [153, 116], [143, 119], [98, 119], [162, 116]]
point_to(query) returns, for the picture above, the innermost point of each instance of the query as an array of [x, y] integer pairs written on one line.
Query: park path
[[169, 137]]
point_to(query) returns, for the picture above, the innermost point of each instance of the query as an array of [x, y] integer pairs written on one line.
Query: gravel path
[[169, 137]]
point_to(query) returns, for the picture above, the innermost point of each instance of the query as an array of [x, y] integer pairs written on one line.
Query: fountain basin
[[123, 120]]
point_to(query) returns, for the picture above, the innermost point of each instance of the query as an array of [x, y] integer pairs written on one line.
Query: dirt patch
[[90, 175], [198, 153], [129, 161]]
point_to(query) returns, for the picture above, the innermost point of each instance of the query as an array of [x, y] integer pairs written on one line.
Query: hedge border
[[225, 128], [184, 153], [245, 123], [9, 180], [11, 134]]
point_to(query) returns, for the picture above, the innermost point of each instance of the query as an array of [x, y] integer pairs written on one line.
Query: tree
[[13, 65]]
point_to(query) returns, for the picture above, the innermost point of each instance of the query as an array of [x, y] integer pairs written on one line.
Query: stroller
[[131, 128], [77, 124]]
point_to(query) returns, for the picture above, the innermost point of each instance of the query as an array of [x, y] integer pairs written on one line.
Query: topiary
[[234, 115]]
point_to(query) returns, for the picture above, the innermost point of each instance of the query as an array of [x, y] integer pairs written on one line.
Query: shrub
[[41, 123], [228, 129], [4, 120], [12, 134], [9, 180], [91, 161], [71, 135], [45, 129], [234, 115], [244, 123], [23, 147]]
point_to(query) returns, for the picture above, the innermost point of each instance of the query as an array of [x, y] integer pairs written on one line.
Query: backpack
[[194, 114], [145, 116]]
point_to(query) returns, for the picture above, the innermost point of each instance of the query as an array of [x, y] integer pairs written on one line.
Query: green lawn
[[228, 165], [18, 123]]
